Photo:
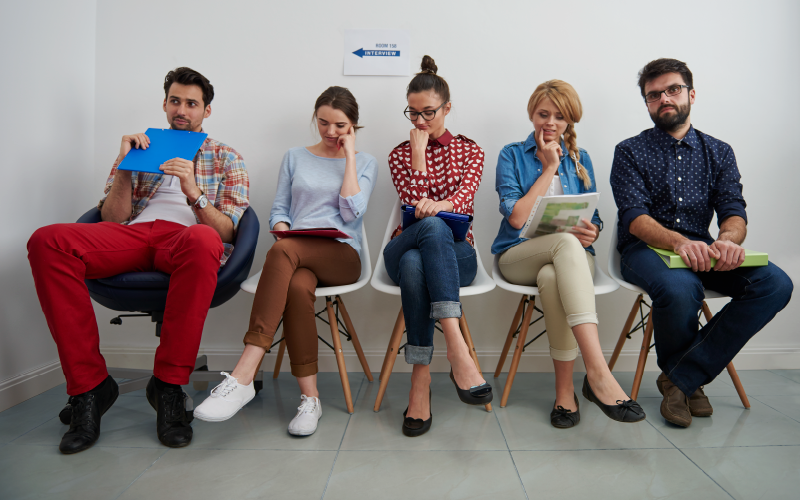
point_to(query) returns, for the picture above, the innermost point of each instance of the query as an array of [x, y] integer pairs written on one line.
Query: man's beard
[[674, 121], [188, 126]]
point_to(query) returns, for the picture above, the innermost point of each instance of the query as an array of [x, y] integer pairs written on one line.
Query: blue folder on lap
[[458, 223], [165, 144]]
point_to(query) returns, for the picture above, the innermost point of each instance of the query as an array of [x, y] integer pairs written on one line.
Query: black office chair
[[145, 294]]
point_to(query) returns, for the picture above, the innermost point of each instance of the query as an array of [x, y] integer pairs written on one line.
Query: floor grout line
[[692, 461], [510, 454], [782, 375], [336, 457], [141, 474], [769, 406]]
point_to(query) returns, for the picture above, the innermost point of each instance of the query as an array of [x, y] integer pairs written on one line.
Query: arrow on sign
[[380, 53]]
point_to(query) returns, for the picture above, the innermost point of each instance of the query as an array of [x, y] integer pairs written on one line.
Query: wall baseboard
[[26, 385], [532, 360]]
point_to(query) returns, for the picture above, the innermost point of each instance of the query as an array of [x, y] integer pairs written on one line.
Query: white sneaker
[[305, 422], [225, 400]]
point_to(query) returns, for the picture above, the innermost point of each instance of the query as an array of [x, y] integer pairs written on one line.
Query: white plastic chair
[[383, 283], [527, 304], [646, 323], [334, 320]]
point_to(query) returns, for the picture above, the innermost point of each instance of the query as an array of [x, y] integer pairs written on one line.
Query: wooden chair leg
[[731, 370], [354, 338], [510, 337], [472, 352], [279, 359], [738, 384], [512, 371], [624, 335], [337, 349], [648, 335], [391, 357]]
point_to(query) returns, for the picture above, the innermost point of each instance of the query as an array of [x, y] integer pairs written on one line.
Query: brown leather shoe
[[699, 404], [675, 406]]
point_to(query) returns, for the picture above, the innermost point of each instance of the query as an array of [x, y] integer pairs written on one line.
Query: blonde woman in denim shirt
[[562, 264]]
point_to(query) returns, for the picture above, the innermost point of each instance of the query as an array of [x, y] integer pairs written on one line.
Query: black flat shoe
[[478, 395], [172, 421], [563, 418], [85, 412], [413, 427], [624, 411]]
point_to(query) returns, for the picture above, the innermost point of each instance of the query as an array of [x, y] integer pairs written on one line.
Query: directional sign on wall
[[376, 52]]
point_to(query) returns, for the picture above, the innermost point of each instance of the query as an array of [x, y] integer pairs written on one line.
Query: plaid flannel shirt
[[219, 171]]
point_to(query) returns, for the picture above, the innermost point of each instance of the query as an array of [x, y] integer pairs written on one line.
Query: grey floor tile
[[456, 426], [424, 475], [757, 472], [526, 426], [788, 405], [201, 474], [790, 374], [731, 425], [19, 419], [28, 472], [721, 386], [617, 474]]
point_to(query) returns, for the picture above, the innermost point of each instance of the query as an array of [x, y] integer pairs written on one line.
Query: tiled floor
[[512, 453]]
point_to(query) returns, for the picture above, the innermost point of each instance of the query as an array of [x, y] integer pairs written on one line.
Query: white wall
[[47, 139], [269, 61]]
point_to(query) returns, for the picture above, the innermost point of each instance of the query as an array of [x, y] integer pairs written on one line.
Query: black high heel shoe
[[477, 395], [624, 411], [563, 418], [413, 427]]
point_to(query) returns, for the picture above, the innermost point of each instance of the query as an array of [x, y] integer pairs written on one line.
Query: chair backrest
[[383, 283], [614, 258]]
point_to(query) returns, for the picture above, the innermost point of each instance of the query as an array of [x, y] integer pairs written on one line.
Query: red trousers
[[63, 255]]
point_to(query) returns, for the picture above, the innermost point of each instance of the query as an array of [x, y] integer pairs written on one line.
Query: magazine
[[559, 214]]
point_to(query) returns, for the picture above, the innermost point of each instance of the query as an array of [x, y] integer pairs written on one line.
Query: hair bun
[[428, 66]]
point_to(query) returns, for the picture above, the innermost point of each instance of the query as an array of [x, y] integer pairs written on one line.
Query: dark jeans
[[430, 266], [688, 356]]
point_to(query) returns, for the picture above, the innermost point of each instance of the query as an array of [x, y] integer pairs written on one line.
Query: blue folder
[[165, 144], [458, 223]]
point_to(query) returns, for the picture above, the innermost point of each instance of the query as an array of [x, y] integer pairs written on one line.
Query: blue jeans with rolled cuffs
[[430, 266], [692, 356]]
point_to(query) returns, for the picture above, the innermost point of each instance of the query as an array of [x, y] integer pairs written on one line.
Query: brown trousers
[[293, 268]]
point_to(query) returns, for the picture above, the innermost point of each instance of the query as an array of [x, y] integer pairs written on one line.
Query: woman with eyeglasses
[[549, 162], [326, 185], [434, 171]]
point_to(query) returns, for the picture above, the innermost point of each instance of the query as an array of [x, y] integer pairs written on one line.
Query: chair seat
[[250, 285], [149, 280], [603, 284]]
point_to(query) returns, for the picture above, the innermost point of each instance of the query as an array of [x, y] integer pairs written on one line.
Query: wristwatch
[[201, 201]]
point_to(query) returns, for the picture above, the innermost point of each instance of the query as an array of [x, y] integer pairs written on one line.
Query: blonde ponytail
[[571, 142]]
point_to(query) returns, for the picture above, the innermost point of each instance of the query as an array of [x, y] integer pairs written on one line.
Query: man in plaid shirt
[[182, 223]]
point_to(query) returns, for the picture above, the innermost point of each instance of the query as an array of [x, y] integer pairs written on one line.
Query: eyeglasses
[[670, 92], [426, 115]]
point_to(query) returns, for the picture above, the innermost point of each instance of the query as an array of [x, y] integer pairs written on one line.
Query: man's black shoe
[[172, 422], [87, 408]]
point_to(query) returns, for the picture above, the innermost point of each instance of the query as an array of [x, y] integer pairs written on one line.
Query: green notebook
[[674, 261]]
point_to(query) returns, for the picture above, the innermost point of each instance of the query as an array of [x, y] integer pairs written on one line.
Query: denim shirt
[[518, 168]]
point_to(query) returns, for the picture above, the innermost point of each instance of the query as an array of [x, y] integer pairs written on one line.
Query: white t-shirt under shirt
[[168, 203], [555, 188]]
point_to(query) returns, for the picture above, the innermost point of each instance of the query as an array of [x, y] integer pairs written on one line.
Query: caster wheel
[[201, 386], [258, 385]]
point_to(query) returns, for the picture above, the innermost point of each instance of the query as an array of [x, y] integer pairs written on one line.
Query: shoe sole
[[220, 419]]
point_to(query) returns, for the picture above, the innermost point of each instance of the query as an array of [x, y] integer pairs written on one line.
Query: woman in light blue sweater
[[326, 185]]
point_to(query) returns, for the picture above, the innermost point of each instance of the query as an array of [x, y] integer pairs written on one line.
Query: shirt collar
[[444, 140], [665, 140], [530, 144]]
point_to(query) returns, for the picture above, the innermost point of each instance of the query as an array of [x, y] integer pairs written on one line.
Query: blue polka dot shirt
[[678, 183]]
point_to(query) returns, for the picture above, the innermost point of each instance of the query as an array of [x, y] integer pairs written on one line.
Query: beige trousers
[[564, 272]]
